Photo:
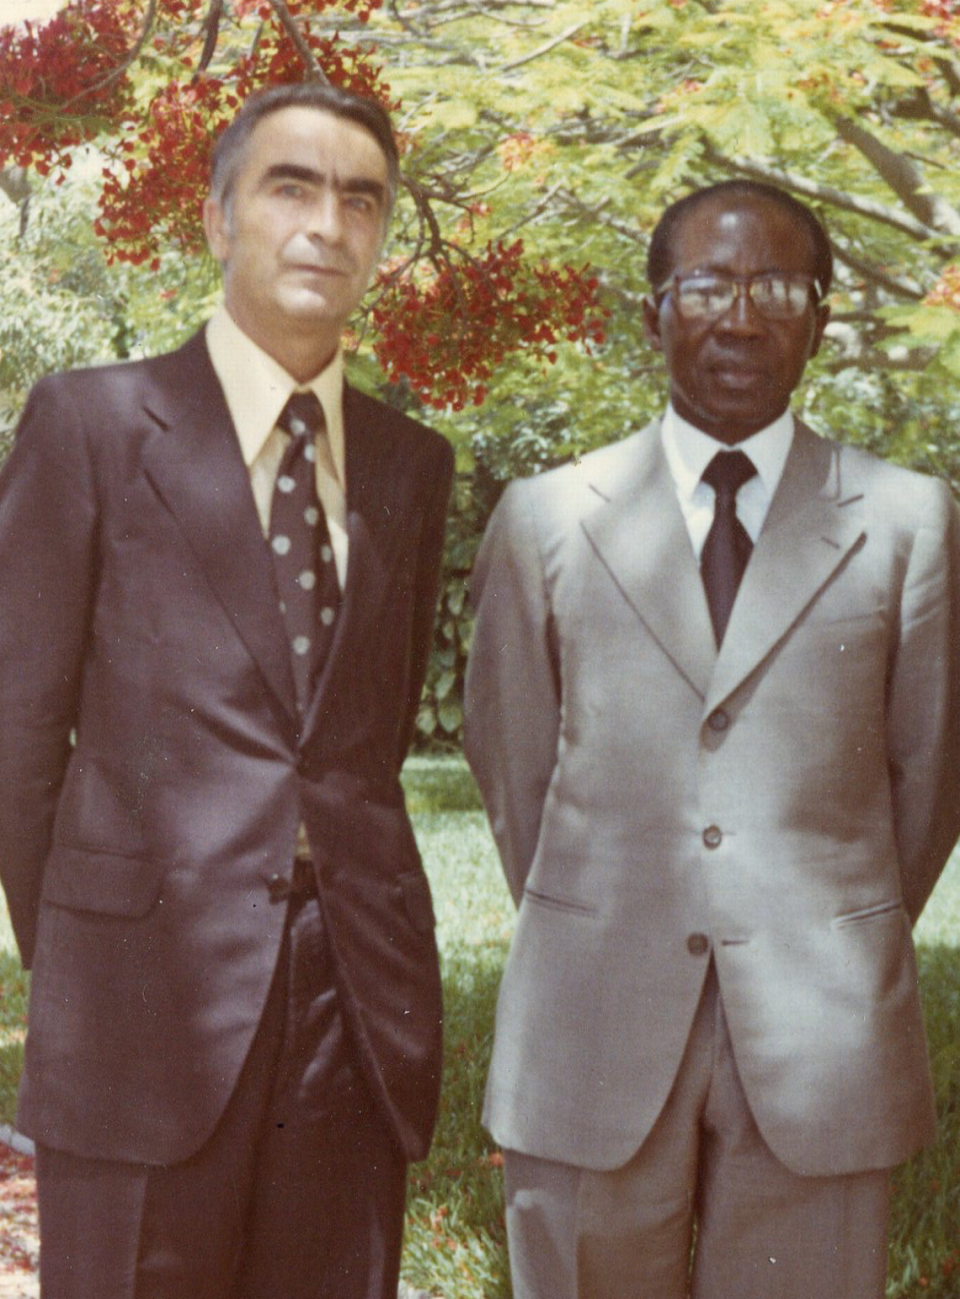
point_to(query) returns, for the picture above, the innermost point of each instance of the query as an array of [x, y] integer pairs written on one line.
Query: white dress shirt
[[257, 388], [689, 450]]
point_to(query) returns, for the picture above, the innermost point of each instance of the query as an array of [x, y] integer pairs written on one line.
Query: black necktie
[[727, 547], [303, 558]]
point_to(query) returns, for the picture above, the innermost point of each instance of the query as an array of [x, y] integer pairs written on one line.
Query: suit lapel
[[808, 535], [194, 462], [638, 533]]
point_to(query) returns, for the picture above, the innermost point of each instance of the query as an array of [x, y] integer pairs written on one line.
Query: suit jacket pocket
[[415, 889], [104, 882], [558, 904], [863, 914]]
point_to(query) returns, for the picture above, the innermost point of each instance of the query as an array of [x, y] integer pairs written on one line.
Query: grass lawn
[[455, 1244]]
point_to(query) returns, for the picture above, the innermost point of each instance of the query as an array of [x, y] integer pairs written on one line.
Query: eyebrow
[[349, 185]]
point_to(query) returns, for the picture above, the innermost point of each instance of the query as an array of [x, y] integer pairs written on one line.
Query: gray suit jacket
[[791, 799]]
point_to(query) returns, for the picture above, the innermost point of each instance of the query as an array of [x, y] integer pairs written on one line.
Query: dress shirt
[[689, 450], [257, 388]]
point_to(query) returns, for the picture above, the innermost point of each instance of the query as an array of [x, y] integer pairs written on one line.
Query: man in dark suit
[[218, 577], [713, 704]]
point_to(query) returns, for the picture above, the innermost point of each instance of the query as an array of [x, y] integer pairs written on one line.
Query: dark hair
[[660, 252], [231, 144]]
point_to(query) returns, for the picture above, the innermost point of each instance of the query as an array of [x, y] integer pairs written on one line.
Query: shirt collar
[[689, 450], [257, 388]]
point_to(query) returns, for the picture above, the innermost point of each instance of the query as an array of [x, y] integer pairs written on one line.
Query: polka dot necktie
[[302, 555], [728, 546]]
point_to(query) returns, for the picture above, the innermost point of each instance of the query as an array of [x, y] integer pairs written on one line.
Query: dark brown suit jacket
[[153, 773]]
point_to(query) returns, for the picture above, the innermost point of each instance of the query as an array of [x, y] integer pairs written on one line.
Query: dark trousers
[[298, 1194]]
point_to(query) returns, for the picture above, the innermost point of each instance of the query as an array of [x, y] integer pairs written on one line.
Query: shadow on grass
[[439, 784]]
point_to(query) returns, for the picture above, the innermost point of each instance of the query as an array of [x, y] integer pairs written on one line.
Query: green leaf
[[451, 715], [452, 114], [445, 683]]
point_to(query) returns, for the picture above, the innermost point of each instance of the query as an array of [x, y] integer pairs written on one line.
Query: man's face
[[732, 375], [299, 235]]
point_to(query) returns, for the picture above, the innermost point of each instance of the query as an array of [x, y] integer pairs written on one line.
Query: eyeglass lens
[[776, 297]]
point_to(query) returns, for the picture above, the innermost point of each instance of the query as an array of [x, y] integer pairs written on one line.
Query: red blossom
[[66, 61], [516, 149], [445, 330], [946, 291]]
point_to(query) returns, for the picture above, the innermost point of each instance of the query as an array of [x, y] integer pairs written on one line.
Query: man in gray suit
[[713, 705]]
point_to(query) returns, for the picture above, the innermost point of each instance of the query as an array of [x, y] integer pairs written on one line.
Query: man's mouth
[[730, 375], [317, 268]]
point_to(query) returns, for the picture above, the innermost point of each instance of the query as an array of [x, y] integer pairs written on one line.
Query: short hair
[[230, 147], [660, 252]]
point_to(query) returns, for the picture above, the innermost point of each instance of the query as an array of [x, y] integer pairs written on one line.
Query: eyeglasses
[[774, 297]]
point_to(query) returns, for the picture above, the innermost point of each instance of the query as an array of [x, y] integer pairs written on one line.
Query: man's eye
[[774, 291], [707, 294], [291, 189], [360, 203]]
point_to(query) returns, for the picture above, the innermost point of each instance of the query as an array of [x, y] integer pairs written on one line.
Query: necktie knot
[[302, 415], [728, 471]]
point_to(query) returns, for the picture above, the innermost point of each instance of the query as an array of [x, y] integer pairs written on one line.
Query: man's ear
[[820, 324], [216, 226], [651, 324]]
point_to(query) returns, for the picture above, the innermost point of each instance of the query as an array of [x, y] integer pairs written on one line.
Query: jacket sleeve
[[47, 558], [512, 694], [923, 709], [428, 571]]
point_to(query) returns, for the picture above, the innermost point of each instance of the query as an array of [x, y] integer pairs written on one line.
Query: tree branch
[[211, 32], [828, 194], [894, 284], [543, 49], [15, 183], [902, 176], [287, 22], [594, 212]]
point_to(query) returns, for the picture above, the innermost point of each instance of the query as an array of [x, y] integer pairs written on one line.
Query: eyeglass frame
[[740, 284]]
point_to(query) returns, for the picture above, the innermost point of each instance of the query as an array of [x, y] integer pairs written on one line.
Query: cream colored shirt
[[689, 450], [257, 388]]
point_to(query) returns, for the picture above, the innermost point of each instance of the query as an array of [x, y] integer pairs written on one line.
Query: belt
[[301, 882]]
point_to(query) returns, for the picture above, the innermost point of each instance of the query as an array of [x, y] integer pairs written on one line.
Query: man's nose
[[741, 316], [325, 221]]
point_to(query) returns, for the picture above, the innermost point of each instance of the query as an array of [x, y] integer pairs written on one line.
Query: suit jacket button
[[718, 720], [712, 836], [698, 944], [278, 888]]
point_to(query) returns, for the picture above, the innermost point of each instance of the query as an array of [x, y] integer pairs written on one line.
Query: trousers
[[299, 1191], [762, 1231]]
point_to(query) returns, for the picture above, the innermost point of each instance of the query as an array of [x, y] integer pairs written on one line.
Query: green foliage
[[14, 993], [62, 305]]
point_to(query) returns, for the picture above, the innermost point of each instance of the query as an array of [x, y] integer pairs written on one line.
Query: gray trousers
[[762, 1232]]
